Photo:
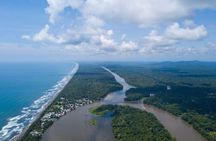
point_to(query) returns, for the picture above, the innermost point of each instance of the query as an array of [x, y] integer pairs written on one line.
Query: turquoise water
[[24, 89]]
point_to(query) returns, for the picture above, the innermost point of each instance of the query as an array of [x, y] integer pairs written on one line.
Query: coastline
[[71, 74], [65, 106], [189, 131], [162, 117]]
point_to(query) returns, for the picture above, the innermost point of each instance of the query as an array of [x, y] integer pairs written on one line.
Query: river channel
[[75, 125]]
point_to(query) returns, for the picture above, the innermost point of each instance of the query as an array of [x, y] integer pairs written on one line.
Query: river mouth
[[75, 125]]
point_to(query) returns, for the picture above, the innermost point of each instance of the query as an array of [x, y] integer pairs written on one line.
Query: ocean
[[25, 89]]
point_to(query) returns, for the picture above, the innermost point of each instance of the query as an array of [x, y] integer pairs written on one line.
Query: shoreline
[[63, 107], [159, 114], [102, 131], [71, 75], [101, 101], [177, 117]]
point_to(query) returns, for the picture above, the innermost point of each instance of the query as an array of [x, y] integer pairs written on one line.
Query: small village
[[59, 109]]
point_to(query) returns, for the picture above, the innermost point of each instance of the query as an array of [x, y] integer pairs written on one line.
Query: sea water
[[25, 89]]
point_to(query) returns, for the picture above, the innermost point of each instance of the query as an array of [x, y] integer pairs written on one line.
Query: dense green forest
[[135, 94], [92, 82], [89, 84], [191, 94], [131, 124]]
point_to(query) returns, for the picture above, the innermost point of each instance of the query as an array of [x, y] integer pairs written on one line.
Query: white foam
[[16, 124]]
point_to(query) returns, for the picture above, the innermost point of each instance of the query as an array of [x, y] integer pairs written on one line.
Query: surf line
[[18, 125]]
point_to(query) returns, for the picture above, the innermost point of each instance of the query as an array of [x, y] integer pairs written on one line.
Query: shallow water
[[74, 126]]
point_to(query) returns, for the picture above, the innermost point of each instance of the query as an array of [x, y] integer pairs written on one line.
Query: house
[[168, 87], [151, 94]]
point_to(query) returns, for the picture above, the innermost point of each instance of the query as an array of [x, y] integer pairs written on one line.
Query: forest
[[131, 124], [135, 94], [185, 89]]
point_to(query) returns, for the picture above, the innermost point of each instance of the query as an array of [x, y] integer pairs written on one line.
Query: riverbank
[[180, 88], [170, 122], [132, 124], [91, 83], [178, 128], [76, 126], [66, 80]]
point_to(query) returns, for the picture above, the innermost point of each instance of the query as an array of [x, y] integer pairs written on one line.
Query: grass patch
[[93, 122]]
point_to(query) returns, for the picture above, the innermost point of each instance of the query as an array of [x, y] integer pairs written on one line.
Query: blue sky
[[18, 17], [113, 30]]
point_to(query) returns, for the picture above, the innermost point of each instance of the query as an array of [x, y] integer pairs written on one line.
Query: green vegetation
[[135, 94], [131, 124], [192, 95], [92, 82], [100, 111], [93, 122], [89, 84]]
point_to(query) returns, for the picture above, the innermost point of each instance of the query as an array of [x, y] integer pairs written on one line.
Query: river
[[75, 125]]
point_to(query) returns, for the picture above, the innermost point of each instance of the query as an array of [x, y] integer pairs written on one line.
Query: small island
[[131, 124], [185, 89]]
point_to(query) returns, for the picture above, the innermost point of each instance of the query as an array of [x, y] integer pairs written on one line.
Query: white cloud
[[155, 39], [106, 42], [128, 46], [44, 35], [93, 21], [27, 37], [144, 12], [90, 34], [109, 32], [57, 6], [186, 33], [141, 12], [174, 34]]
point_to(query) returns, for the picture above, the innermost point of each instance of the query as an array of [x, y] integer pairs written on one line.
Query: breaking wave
[[16, 124]]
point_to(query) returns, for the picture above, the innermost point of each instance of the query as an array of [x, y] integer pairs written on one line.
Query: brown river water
[[75, 125]]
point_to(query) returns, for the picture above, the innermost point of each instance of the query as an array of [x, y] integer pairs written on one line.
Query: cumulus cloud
[[92, 35], [106, 42], [43, 36], [144, 12], [141, 12], [155, 39], [128, 46], [27, 37], [186, 33], [57, 6], [175, 33]]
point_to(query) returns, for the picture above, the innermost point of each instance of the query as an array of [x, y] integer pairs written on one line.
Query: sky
[[107, 30]]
